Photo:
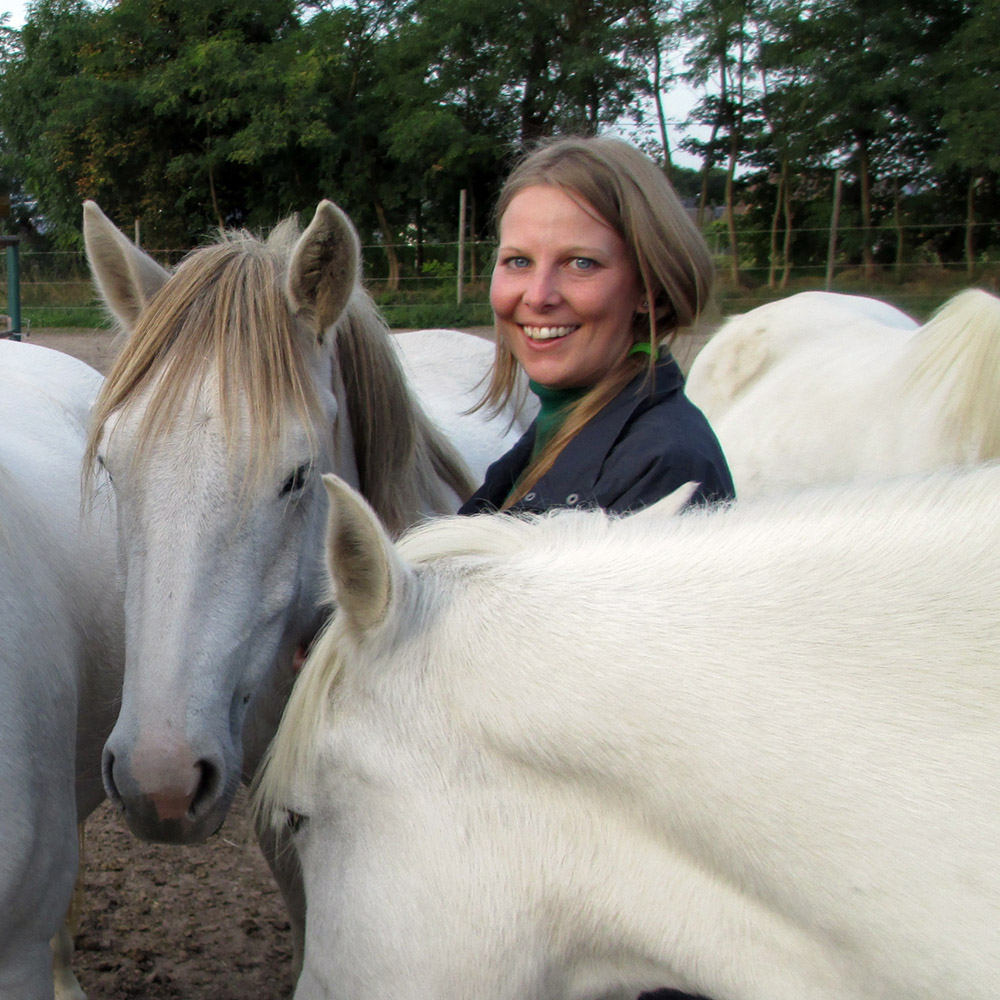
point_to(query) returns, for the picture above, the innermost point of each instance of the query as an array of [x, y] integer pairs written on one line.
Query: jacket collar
[[580, 462]]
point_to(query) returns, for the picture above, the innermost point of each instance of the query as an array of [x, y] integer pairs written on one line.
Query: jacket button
[[572, 498], [530, 496]]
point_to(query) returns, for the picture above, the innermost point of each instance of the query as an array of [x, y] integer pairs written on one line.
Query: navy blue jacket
[[644, 444]]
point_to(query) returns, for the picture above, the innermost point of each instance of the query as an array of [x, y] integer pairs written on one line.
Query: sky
[[678, 105], [17, 9]]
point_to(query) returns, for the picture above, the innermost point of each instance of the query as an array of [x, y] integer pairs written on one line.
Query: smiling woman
[[598, 267]]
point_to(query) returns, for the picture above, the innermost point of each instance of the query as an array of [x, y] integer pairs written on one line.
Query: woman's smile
[[540, 333]]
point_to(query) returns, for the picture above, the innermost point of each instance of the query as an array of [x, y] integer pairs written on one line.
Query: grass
[[436, 308]]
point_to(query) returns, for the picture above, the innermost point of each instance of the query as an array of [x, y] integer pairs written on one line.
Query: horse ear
[[672, 503], [126, 277], [363, 565], [324, 266]]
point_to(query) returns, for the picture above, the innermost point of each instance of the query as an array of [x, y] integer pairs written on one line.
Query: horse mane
[[403, 461], [754, 540], [224, 309], [957, 352]]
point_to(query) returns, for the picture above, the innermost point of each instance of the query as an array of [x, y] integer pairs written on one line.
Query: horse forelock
[[222, 314], [291, 753]]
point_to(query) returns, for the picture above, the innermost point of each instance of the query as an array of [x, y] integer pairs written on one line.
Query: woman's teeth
[[547, 332]]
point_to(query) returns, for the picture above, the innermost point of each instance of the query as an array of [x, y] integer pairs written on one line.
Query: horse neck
[[405, 467]]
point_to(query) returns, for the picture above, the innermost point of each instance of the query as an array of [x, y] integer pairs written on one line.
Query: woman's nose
[[542, 291]]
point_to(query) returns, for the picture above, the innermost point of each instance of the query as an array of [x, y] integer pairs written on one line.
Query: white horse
[[61, 658], [247, 372], [824, 388], [750, 754]]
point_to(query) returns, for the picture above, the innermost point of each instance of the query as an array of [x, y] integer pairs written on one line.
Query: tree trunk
[[897, 216], [706, 169], [215, 198], [970, 222], [734, 246], [392, 281], [779, 196], [831, 253], [660, 114], [786, 275], [473, 260], [867, 258]]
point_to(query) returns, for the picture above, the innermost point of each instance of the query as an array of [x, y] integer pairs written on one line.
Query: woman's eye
[[297, 480], [517, 262], [584, 263]]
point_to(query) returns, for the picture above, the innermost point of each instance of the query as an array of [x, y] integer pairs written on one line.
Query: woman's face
[[564, 290]]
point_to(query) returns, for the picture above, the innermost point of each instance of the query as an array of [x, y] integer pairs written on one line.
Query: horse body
[[767, 769], [446, 370], [61, 654], [829, 388]]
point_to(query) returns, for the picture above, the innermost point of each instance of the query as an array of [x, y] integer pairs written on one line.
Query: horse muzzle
[[169, 794]]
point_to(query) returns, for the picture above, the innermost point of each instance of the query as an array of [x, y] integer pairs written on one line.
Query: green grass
[[437, 308], [83, 317]]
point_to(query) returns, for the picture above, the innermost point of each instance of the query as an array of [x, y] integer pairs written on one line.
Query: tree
[[723, 44], [139, 106], [34, 68], [866, 65], [967, 71]]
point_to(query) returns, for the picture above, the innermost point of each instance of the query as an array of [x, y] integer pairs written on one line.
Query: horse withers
[[748, 753]]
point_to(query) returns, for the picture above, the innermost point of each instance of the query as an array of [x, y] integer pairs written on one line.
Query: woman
[[598, 265]]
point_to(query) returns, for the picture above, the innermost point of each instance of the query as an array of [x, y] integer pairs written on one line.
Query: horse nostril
[[108, 777], [208, 784]]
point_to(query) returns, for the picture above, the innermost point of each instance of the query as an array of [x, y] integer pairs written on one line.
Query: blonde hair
[[633, 196]]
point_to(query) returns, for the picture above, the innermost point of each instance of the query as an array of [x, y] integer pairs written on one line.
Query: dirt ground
[[203, 922]]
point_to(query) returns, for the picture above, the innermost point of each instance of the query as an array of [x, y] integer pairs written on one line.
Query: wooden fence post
[[834, 223]]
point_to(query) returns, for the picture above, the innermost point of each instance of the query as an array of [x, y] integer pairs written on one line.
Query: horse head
[[213, 429]]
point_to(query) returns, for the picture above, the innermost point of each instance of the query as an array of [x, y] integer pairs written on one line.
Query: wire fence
[[419, 284]]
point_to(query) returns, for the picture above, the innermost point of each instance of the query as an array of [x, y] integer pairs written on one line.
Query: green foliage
[[190, 114]]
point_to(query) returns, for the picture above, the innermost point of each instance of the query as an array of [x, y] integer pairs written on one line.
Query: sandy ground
[[203, 922]]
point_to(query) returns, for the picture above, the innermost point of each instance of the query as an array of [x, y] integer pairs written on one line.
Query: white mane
[[777, 554]]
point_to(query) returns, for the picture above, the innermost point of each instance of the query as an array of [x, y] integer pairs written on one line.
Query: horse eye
[[294, 821], [296, 480], [104, 468]]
